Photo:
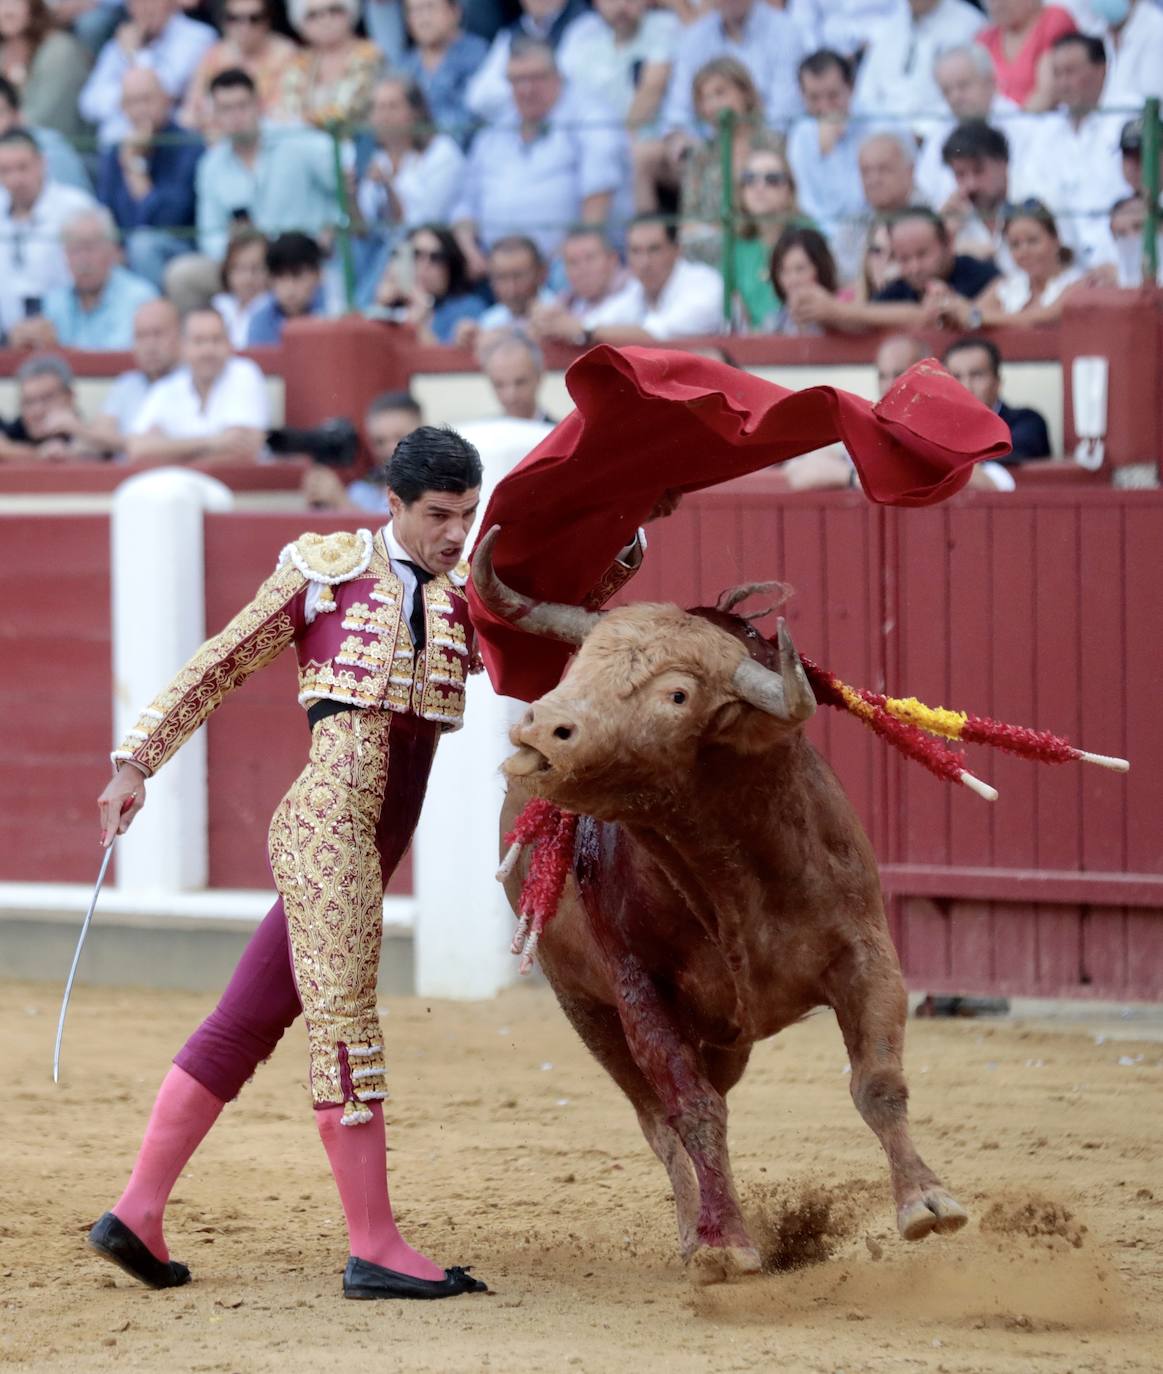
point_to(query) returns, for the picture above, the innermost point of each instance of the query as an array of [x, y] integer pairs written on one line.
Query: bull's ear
[[746, 729]]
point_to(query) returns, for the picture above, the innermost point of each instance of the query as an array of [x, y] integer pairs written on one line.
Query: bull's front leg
[[695, 1111]]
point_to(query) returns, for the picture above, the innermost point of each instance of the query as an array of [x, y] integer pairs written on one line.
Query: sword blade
[[56, 1054]]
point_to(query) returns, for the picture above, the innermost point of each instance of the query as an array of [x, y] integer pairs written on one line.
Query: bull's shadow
[[721, 888]]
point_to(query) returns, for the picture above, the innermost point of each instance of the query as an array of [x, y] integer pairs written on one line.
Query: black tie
[[416, 617]]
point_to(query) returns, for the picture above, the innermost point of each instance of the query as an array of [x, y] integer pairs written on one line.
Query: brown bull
[[722, 888]]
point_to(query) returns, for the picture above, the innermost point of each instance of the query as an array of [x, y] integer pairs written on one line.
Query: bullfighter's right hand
[[120, 802]]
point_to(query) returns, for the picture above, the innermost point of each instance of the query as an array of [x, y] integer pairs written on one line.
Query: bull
[[722, 888]]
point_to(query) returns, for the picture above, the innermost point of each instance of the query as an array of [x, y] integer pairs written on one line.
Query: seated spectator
[[896, 75], [245, 282], [61, 159], [33, 211], [248, 44], [156, 34], [767, 205], [966, 77], [979, 158], [43, 431], [295, 270], [389, 418], [623, 51], [514, 366], [886, 163], [270, 179], [157, 347], [93, 22], [1134, 43], [147, 180], [546, 22], [517, 280], [47, 65], [800, 263], [721, 84], [976, 363], [1128, 220], [212, 410], [1131, 155], [1074, 157], [441, 62], [428, 287], [332, 76], [600, 291], [1034, 292], [674, 298], [557, 160], [407, 173], [96, 310], [877, 265], [1019, 44], [931, 275], [764, 39], [843, 25], [824, 148]]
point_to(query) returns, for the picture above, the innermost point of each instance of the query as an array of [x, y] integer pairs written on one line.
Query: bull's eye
[[678, 697]]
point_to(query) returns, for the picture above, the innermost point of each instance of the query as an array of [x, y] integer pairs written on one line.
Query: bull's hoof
[[934, 1210], [722, 1264]]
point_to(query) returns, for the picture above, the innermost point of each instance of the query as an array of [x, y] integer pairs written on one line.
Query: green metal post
[[1151, 190], [727, 171], [343, 225]]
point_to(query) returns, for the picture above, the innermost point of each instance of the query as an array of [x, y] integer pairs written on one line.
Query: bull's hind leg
[[601, 1030], [869, 999]]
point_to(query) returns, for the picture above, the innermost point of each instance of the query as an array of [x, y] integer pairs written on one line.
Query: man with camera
[[389, 418], [213, 410]]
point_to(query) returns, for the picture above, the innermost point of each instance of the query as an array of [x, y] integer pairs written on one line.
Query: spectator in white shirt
[[968, 84], [674, 298], [623, 52], [517, 278], [547, 21], [212, 410], [600, 291], [896, 76], [844, 26], [514, 366], [1128, 220], [33, 214], [1074, 161], [246, 282], [1134, 46], [155, 35], [824, 148]]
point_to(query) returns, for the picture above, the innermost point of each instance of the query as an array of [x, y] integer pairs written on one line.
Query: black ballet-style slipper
[[362, 1279], [114, 1241]]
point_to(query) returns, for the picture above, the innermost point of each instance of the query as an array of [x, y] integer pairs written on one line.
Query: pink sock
[[358, 1156], [183, 1113]]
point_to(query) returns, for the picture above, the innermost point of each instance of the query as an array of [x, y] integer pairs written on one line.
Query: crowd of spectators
[[500, 173]]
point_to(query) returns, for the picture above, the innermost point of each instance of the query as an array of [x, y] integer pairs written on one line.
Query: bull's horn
[[786, 694], [551, 618]]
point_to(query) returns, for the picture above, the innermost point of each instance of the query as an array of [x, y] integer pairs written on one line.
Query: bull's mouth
[[526, 763]]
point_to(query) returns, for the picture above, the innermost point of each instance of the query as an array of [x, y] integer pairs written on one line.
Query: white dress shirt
[[427, 183], [237, 398], [1135, 67], [32, 260], [590, 56], [896, 76], [690, 302]]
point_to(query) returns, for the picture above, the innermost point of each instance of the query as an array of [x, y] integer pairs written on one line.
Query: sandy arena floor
[[512, 1151]]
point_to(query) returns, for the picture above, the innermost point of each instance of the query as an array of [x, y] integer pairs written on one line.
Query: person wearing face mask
[[1128, 219], [1134, 49]]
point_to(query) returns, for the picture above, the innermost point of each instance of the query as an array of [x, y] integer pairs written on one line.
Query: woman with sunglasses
[[1036, 292], [248, 42], [766, 197], [427, 286], [332, 78], [723, 84]]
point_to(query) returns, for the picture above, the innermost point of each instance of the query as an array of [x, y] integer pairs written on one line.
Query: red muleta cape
[[650, 420]]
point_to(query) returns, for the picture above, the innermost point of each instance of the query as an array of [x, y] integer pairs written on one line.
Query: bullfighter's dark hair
[[824, 60], [975, 341], [433, 459], [974, 138]]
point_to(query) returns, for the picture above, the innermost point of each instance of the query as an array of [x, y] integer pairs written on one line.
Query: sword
[[56, 1054]]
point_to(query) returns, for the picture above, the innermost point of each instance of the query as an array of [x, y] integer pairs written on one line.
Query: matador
[[384, 640]]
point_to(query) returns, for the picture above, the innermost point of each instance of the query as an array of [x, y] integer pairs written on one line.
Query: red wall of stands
[[1043, 607]]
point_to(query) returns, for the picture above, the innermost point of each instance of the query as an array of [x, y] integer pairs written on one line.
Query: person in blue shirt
[[295, 269], [147, 180], [443, 60]]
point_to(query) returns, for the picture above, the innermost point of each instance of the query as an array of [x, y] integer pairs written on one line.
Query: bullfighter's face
[[649, 691]]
